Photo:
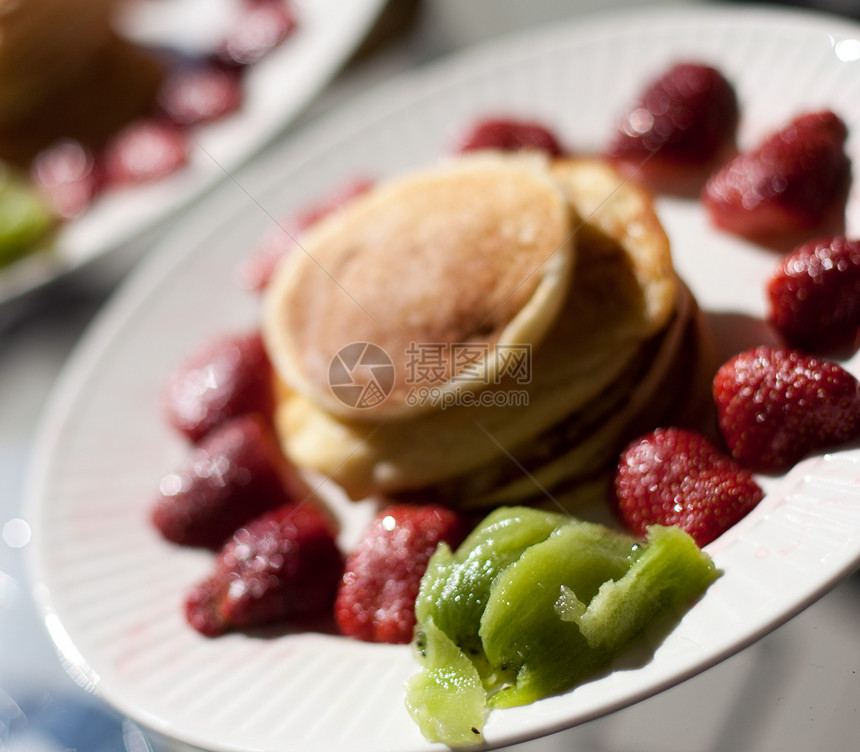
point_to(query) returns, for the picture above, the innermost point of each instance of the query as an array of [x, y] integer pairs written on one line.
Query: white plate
[[276, 90], [112, 590]]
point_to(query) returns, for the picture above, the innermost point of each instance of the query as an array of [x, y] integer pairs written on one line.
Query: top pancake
[[476, 252]]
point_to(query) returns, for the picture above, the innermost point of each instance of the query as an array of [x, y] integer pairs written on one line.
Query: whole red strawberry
[[222, 379], [260, 27], [795, 181], [814, 295], [200, 94], [678, 126], [69, 174], [507, 134], [376, 600], [676, 477], [776, 405], [145, 151], [236, 473], [283, 565]]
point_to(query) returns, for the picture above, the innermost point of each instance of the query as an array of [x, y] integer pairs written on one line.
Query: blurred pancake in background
[[65, 73]]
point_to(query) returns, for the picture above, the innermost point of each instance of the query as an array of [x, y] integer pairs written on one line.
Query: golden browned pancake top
[[474, 252]]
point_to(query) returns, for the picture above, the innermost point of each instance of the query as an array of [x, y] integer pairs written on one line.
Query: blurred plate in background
[[277, 88]]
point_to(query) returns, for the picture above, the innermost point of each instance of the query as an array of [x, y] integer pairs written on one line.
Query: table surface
[[797, 689]]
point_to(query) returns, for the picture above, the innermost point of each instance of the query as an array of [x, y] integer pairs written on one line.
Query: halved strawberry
[[281, 239], [282, 565], [678, 127], [679, 478], [509, 134], [223, 378], [341, 196], [795, 181], [236, 473]]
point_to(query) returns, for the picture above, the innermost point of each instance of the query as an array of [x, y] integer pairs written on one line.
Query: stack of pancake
[[487, 331]]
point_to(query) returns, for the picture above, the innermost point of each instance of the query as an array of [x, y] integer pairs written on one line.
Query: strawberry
[[237, 472], [69, 175], [510, 135], [340, 197], [145, 151], [200, 94], [222, 379], [282, 565], [376, 599], [795, 181], [814, 295], [258, 269], [676, 129], [262, 25], [677, 477], [776, 405]]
